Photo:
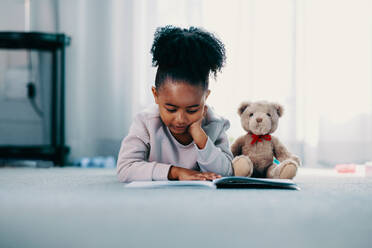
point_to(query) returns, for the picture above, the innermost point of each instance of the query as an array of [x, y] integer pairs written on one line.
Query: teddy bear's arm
[[280, 151], [236, 147]]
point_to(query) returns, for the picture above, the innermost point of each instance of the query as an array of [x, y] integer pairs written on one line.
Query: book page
[[164, 184]]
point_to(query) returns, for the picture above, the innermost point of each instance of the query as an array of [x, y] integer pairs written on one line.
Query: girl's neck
[[183, 139]]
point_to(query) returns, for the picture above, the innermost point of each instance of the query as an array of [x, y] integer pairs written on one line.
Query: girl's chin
[[178, 130]]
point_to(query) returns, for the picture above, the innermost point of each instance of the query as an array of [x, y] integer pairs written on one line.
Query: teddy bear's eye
[[251, 115], [269, 115]]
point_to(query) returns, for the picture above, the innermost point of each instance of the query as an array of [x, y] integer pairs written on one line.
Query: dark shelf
[[55, 44], [41, 152], [33, 40]]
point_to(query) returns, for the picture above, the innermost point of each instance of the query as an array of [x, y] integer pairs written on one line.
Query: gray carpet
[[70, 207]]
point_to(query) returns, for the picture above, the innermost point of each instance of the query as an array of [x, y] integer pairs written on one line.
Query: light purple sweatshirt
[[149, 150]]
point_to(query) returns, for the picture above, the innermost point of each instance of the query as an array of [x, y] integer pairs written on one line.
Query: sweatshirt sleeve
[[132, 164], [216, 156]]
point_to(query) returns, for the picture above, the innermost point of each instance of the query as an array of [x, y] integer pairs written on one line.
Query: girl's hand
[[196, 131], [196, 126], [178, 173]]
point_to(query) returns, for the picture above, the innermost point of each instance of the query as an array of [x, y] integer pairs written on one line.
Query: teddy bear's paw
[[296, 159], [288, 170], [242, 166]]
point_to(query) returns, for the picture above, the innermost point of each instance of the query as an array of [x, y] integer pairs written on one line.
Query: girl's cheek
[[196, 116], [166, 117]]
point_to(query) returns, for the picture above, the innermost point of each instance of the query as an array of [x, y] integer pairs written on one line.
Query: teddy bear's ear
[[242, 107], [279, 109]]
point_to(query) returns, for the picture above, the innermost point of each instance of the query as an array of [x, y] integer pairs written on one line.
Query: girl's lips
[[180, 127]]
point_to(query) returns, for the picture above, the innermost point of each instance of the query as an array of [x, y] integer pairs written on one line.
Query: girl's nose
[[181, 118]]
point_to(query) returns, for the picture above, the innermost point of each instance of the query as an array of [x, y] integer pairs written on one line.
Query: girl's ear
[[207, 94], [242, 107], [155, 94]]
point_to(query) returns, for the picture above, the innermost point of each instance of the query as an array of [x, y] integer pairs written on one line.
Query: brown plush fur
[[256, 160]]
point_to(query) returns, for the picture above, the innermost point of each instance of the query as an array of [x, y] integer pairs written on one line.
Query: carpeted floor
[[71, 207]]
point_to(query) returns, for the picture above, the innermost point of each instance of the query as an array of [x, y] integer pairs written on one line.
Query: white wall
[[98, 75]]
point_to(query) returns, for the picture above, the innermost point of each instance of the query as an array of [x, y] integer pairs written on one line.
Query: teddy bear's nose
[[259, 119]]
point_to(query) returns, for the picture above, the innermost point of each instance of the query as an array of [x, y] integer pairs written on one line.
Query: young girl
[[180, 138]]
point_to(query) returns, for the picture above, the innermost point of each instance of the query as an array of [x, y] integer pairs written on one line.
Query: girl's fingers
[[203, 176], [212, 175], [209, 177], [198, 177]]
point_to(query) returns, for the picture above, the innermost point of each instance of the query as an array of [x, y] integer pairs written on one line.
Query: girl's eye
[[171, 110], [192, 111], [251, 115], [269, 115]]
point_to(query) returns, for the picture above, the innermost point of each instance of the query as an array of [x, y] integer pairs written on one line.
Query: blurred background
[[314, 57]]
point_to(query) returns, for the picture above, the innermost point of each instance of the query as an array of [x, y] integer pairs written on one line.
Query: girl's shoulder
[[149, 116], [213, 118]]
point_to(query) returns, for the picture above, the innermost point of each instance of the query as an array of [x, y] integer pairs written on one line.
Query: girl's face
[[180, 104]]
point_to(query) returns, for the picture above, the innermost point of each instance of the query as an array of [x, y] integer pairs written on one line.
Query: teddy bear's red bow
[[258, 138]]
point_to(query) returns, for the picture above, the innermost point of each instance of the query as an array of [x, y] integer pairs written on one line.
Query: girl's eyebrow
[[175, 106], [168, 104]]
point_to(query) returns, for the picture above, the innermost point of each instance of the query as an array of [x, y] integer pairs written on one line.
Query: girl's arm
[[216, 156], [132, 162], [133, 167]]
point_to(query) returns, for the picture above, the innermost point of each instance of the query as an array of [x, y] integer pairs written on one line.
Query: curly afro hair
[[186, 55]]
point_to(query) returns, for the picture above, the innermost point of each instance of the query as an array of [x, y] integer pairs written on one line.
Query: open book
[[224, 182]]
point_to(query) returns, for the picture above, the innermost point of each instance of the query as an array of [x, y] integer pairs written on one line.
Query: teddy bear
[[254, 152]]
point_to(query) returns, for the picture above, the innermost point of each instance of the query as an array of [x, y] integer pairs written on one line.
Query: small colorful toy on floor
[[345, 168]]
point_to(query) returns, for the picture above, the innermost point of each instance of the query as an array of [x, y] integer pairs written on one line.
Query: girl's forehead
[[170, 84], [181, 93]]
